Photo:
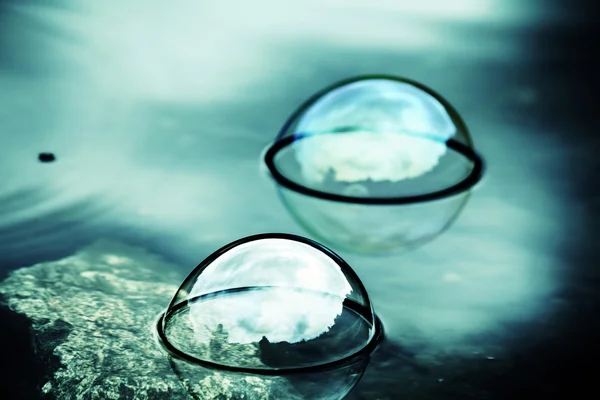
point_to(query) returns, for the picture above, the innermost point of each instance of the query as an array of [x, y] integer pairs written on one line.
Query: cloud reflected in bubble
[[275, 313]]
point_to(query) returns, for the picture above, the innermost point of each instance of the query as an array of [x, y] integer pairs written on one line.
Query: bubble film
[[270, 302], [374, 164]]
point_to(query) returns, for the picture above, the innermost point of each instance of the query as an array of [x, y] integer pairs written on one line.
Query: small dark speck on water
[[46, 157]]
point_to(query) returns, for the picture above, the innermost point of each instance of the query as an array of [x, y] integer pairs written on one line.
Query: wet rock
[[86, 324]]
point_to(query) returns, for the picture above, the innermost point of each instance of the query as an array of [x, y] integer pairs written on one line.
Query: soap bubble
[[273, 305], [374, 164]]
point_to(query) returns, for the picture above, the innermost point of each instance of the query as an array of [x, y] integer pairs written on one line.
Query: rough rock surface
[[91, 323]]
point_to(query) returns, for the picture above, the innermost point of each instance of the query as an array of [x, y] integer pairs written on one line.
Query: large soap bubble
[[272, 304], [374, 164]]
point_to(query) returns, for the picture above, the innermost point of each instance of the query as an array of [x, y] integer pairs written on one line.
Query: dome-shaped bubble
[[374, 164], [273, 314], [266, 293]]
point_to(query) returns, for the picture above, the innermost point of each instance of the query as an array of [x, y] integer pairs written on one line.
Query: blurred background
[[157, 113]]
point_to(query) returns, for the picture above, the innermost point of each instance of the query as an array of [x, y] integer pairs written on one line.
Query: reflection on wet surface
[[157, 116]]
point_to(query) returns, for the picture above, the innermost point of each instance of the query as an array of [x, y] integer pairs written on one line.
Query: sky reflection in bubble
[[279, 301], [275, 313]]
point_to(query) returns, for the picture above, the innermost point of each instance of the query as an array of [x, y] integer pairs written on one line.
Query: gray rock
[[94, 314]]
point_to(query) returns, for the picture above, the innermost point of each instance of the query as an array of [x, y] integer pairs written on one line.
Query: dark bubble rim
[[360, 356], [466, 150]]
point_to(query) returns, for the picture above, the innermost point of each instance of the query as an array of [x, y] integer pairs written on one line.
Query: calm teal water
[[158, 114]]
